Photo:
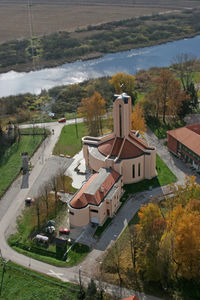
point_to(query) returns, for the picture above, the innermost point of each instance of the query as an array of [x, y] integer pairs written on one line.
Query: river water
[[13, 83]]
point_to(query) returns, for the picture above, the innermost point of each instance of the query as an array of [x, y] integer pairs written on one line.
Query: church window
[[133, 171], [139, 170]]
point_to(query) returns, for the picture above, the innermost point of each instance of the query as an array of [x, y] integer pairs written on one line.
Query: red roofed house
[[98, 198], [185, 143], [118, 158]]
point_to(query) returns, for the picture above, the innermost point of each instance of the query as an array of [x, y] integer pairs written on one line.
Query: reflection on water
[[13, 83]]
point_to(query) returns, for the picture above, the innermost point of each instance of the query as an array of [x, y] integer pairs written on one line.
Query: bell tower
[[122, 115]]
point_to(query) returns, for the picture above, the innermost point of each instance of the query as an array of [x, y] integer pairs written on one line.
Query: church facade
[[124, 155]]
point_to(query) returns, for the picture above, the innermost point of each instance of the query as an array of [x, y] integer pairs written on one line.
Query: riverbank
[[95, 41]]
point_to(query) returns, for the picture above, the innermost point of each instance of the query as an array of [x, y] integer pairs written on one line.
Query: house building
[[115, 159], [185, 143], [98, 198]]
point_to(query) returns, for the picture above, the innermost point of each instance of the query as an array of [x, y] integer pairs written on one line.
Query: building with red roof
[[115, 159], [123, 150], [185, 143], [98, 198]]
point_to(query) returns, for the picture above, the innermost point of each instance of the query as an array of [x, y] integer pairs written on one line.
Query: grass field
[[69, 143], [22, 284], [50, 16], [11, 162]]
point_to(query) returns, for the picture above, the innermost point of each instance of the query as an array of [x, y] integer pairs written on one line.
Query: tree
[[44, 195], [93, 108], [187, 245], [124, 83], [91, 293], [138, 121], [184, 68], [54, 185], [167, 96], [113, 262], [149, 232]]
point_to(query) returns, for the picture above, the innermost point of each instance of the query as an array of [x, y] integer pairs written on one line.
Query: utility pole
[[3, 272]]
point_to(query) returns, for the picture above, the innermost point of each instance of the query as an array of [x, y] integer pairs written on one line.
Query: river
[[13, 83]]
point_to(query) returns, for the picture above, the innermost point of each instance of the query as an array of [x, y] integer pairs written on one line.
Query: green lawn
[[77, 254], [165, 176], [10, 163], [69, 143], [22, 284]]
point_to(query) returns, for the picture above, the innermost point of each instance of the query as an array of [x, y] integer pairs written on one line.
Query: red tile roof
[[130, 150], [85, 196], [188, 136], [132, 147], [194, 127], [131, 298]]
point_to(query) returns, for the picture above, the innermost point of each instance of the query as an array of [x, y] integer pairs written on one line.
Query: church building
[[116, 159]]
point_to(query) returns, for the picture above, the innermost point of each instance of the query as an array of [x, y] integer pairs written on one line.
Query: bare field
[[50, 15]]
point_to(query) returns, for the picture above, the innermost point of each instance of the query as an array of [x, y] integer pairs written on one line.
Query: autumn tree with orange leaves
[[138, 120], [166, 98], [168, 245], [93, 108]]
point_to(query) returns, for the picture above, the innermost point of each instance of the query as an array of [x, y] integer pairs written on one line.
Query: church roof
[[124, 147], [95, 189]]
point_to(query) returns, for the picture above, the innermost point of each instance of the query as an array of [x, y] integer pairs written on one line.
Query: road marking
[[58, 275]]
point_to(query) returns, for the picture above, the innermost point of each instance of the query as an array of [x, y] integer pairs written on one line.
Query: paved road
[[11, 203]]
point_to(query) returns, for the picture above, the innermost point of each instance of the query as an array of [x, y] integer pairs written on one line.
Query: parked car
[[62, 120], [41, 239], [64, 231], [29, 201]]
